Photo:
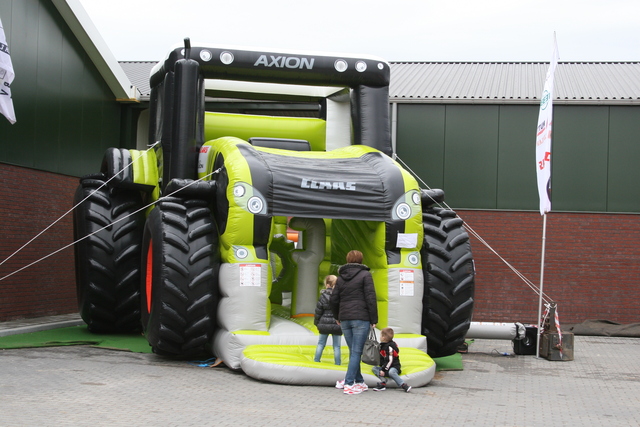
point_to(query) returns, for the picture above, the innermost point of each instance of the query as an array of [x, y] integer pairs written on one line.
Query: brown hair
[[354, 257], [386, 333]]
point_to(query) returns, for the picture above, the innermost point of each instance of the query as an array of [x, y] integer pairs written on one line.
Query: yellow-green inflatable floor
[[293, 364]]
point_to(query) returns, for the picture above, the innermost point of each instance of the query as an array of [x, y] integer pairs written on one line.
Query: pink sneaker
[[352, 389], [340, 384], [362, 386]]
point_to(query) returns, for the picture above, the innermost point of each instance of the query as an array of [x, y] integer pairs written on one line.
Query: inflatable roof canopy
[[338, 195]]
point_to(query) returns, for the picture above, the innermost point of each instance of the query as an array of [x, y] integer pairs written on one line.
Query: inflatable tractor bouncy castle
[[218, 237]]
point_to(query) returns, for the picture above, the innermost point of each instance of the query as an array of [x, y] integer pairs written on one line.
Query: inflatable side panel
[[244, 303], [229, 345], [245, 275], [248, 126], [404, 300], [308, 260], [404, 240]]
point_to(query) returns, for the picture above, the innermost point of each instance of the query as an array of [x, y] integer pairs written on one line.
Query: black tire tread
[[108, 262], [449, 282], [184, 299]]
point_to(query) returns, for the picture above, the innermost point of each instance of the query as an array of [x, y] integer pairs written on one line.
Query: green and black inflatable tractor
[[192, 236]]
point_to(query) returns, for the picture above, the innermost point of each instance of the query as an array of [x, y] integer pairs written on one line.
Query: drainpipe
[[394, 127]]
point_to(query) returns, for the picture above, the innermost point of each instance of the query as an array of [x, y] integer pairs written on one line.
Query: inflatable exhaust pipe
[[524, 338], [496, 331]]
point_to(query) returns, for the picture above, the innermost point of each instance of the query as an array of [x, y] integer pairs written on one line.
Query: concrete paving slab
[[85, 386]]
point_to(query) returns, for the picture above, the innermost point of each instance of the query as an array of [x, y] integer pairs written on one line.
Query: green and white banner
[[543, 136], [6, 77]]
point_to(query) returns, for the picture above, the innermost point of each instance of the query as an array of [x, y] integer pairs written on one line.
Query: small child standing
[[389, 362], [326, 323]]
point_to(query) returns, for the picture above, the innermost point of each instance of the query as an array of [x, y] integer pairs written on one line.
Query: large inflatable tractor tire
[[448, 280], [108, 262], [180, 259]]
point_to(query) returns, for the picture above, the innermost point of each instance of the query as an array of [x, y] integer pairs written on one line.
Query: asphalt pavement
[[87, 386]]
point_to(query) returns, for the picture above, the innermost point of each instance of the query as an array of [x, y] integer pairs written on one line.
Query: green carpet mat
[[76, 335], [449, 363]]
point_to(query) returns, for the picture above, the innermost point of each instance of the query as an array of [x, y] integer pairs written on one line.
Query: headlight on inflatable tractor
[[406, 206], [249, 199]]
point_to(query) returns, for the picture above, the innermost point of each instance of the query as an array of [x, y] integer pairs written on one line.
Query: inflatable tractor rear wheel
[[108, 262], [180, 287], [449, 281]]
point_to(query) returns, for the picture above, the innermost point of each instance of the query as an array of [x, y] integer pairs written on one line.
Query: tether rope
[[528, 282], [144, 153], [106, 226]]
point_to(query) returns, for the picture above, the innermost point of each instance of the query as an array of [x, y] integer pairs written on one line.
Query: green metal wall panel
[[66, 114], [517, 183], [421, 141], [488, 155], [579, 158], [471, 156], [47, 87], [73, 113], [623, 189]]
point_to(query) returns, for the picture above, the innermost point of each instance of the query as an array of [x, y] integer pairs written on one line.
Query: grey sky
[[416, 30]]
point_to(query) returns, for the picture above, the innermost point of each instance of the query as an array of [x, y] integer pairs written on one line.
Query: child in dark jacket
[[326, 323], [389, 362]]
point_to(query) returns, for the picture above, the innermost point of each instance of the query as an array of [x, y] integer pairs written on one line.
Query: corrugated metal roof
[[514, 82], [139, 72], [488, 82]]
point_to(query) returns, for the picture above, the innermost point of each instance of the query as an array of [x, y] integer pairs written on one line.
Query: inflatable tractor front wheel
[[110, 224], [449, 281], [179, 286]]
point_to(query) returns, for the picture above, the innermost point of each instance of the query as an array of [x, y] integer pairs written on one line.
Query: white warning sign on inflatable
[[250, 275], [406, 283], [203, 159], [407, 240]]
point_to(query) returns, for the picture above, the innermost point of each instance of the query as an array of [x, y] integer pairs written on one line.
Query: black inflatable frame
[[178, 93]]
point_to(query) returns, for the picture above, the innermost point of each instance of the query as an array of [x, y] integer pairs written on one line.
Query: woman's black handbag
[[371, 351]]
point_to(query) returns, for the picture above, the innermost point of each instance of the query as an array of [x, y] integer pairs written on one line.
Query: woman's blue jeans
[[322, 342], [355, 334]]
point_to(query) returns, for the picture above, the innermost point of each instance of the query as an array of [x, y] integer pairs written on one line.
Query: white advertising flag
[[6, 77], [543, 136]]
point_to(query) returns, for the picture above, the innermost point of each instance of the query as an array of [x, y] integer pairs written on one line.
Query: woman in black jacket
[[326, 323], [353, 302]]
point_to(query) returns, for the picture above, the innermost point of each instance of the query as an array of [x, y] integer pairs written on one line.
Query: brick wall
[[592, 265], [31, 200]]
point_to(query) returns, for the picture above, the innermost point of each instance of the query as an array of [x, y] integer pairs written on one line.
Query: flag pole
[[544, 244], [543, 166]]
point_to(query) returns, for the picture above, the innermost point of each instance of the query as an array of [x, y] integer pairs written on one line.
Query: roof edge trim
[[510, 101]]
